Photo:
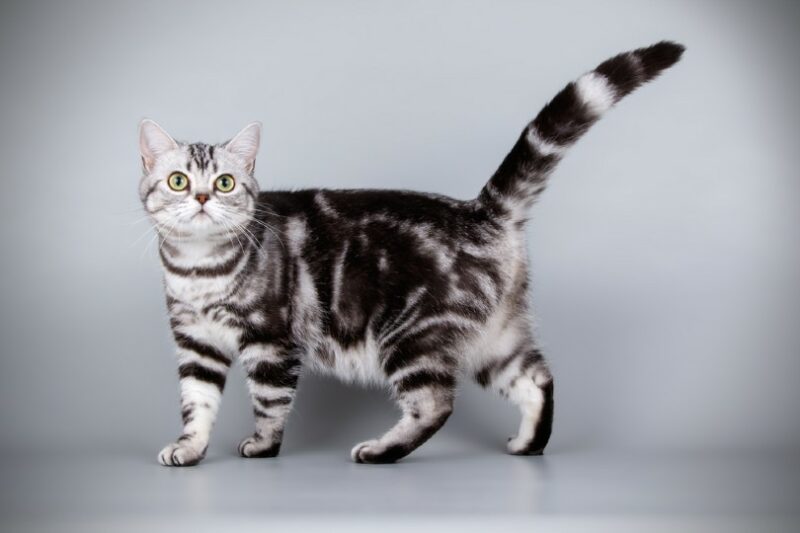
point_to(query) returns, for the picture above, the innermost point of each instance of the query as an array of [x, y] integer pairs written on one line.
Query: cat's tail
[[523, 174]]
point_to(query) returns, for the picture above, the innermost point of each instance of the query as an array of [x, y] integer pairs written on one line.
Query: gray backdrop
[[665, 253]]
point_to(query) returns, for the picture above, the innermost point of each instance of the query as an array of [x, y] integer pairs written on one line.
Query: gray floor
[[442, 485]]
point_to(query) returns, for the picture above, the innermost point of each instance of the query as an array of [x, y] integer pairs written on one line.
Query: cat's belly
[[358, 362]]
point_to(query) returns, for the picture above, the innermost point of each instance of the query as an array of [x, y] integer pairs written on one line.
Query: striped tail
[[522, 176]]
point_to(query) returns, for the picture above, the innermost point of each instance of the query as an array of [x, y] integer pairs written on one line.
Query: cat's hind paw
[[374, 452], [363, 451], [255, 446], [519, 446], [180, 454]]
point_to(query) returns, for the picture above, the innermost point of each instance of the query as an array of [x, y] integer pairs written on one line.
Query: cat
[[403, 289]]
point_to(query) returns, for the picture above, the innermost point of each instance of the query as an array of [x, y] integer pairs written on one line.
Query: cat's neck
[[202, 250]]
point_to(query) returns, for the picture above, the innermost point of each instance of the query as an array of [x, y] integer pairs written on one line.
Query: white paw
[[180, 454], [520, 446], [255, 446], [361, 452], [248, 446], [516, 445]]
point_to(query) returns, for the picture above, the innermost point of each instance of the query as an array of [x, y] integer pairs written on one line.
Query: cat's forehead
[[202, 157]]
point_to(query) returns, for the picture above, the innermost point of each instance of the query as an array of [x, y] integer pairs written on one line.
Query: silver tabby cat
[[403, 289]]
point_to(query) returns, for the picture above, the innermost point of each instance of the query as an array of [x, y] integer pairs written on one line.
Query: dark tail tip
[[659, 56]]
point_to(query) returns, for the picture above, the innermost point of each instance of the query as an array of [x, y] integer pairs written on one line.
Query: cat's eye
[[178, 181], [225, 183]]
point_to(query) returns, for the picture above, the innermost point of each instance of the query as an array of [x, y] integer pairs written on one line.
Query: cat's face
[[198, 190]]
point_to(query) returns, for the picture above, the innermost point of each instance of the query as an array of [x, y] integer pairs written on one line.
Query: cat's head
[[198, 190]]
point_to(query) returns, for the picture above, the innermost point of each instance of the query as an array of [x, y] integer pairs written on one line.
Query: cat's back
[[379, 247], [340, 210]]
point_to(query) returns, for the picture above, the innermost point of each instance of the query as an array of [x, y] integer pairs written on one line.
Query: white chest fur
[[196, 295], [358, 363]]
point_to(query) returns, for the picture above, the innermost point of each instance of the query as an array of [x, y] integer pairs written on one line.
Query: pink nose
[[202, 198]]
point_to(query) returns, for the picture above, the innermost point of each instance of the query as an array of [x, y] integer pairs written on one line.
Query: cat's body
[[397, 288]]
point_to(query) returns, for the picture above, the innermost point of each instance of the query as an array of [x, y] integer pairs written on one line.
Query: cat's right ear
[[153, 142]]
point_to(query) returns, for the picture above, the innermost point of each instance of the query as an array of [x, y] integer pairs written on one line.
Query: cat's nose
[[201, 197]]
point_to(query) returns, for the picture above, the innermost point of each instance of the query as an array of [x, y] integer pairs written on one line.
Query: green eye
[[225, 183], [178, 181]]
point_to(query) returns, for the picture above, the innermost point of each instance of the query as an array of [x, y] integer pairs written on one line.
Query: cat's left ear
[[245, 144]]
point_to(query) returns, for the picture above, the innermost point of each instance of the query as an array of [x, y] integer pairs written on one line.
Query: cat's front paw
[[181, 453], [256, 446]]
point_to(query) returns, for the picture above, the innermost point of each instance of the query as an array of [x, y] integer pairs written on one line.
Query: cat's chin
[[194, 231], [202, 225], [210, 233]]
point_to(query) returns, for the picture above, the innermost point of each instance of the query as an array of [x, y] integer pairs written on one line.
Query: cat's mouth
[[202, 220]]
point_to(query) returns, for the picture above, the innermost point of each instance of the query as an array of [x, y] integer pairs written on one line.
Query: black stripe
[[198, 152], [408, 348], [260, 414], [201, 373], [565, 118], [522, 163], [530, 358], [425, 378], [268, 403], [544, 427], [658, 57], [201, 349], [621, 72], [204, 272], [150, 191], [249, 191], [231, 308], [276, 374], [485, 376]]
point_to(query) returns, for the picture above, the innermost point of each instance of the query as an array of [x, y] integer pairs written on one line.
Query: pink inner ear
[[153, 142], [245, 144]]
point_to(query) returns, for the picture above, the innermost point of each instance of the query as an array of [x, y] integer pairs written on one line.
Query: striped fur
[[523, 174], [407, 290]]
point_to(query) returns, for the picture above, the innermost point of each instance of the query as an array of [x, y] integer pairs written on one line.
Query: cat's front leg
[[272, 374], [202, 370]]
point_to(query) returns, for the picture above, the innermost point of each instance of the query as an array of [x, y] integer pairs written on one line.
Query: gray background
[[665, 252]]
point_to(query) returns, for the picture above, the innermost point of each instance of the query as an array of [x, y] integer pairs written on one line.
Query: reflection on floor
[[465, 489]]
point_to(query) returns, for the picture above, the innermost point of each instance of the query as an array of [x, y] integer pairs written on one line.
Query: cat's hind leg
[[425, 397], [523, 378]]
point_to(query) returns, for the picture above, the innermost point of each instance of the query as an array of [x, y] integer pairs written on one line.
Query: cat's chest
[[212, 324], [196, 291], [198, 309], [200, 273]]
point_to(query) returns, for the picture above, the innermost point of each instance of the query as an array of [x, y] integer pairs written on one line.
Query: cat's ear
[[245, 144], [153, 142]]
